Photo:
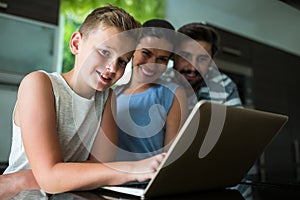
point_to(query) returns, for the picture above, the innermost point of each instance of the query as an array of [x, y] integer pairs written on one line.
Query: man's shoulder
[[217, 77]]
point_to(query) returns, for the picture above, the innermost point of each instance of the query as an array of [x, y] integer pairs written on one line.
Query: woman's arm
[[106, 142], [176, 116]]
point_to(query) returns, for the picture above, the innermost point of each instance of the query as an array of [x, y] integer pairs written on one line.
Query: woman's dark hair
[[159, 28]]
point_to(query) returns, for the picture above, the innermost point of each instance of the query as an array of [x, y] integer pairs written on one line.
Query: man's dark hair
[[201, 32]]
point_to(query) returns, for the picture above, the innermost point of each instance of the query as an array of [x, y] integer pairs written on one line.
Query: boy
[[62, 122]]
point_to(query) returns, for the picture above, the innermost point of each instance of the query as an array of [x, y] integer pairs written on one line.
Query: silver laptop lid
[[215, 148]]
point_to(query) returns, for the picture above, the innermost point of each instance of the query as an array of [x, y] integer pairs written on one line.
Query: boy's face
[[102, 56], [151, 58], [193, 61]]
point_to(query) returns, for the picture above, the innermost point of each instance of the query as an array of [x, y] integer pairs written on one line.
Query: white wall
[[268, 21]]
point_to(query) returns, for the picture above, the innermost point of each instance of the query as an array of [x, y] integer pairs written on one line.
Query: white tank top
[[78, 120]]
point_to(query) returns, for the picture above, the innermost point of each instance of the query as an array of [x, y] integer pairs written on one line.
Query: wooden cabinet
[[29, 42], [29, 38], [41, 10], [26, 46], [274, 81]]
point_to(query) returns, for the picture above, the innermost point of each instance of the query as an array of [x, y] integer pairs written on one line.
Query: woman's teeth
[[148, 73]]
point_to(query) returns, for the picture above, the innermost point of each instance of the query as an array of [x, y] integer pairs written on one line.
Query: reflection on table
[[244, 191], [105, 195]]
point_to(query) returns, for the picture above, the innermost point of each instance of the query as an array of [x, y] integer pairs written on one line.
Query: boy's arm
[[12, 184], [37, 119]]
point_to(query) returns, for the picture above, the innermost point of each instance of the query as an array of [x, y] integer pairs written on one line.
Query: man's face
[[193, 60]]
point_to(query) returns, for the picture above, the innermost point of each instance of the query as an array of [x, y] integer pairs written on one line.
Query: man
[[194, 69], [196, 48]]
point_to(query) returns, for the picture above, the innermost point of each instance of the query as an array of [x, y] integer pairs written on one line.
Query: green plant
[[74, 12]]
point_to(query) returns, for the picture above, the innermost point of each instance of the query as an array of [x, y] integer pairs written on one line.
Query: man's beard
[[196, 84], [192, 73]]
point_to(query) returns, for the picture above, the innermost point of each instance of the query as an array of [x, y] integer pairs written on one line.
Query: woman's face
[[151, 58]]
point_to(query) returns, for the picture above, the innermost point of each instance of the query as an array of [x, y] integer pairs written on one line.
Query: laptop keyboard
[[135, 184]]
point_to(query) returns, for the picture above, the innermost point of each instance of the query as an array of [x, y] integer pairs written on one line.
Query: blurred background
[[260, 51]]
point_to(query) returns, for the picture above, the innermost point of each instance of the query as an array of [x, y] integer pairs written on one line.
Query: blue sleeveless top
[[141, 120]]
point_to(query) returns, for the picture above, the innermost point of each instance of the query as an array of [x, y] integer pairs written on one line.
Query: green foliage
[[74, 12]]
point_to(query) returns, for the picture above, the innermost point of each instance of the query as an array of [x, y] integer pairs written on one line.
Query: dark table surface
[[247, 190]]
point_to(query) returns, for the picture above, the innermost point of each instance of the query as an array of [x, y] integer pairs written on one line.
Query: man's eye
[[104, 52], [185, 55], [203, 59]]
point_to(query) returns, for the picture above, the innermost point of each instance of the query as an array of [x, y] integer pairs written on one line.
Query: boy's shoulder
[[36, 77]]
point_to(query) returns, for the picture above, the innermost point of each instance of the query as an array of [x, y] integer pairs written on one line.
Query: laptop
[[215, 148]]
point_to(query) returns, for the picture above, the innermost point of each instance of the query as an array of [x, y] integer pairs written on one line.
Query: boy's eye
[[104, 52]]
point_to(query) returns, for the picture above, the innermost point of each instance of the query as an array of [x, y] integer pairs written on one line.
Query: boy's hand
[[144, 170], [12, 184]]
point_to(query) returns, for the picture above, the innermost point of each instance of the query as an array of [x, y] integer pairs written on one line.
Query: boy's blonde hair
[[110, 16]]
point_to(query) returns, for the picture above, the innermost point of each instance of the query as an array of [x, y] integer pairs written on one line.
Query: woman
[[150, 111]]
